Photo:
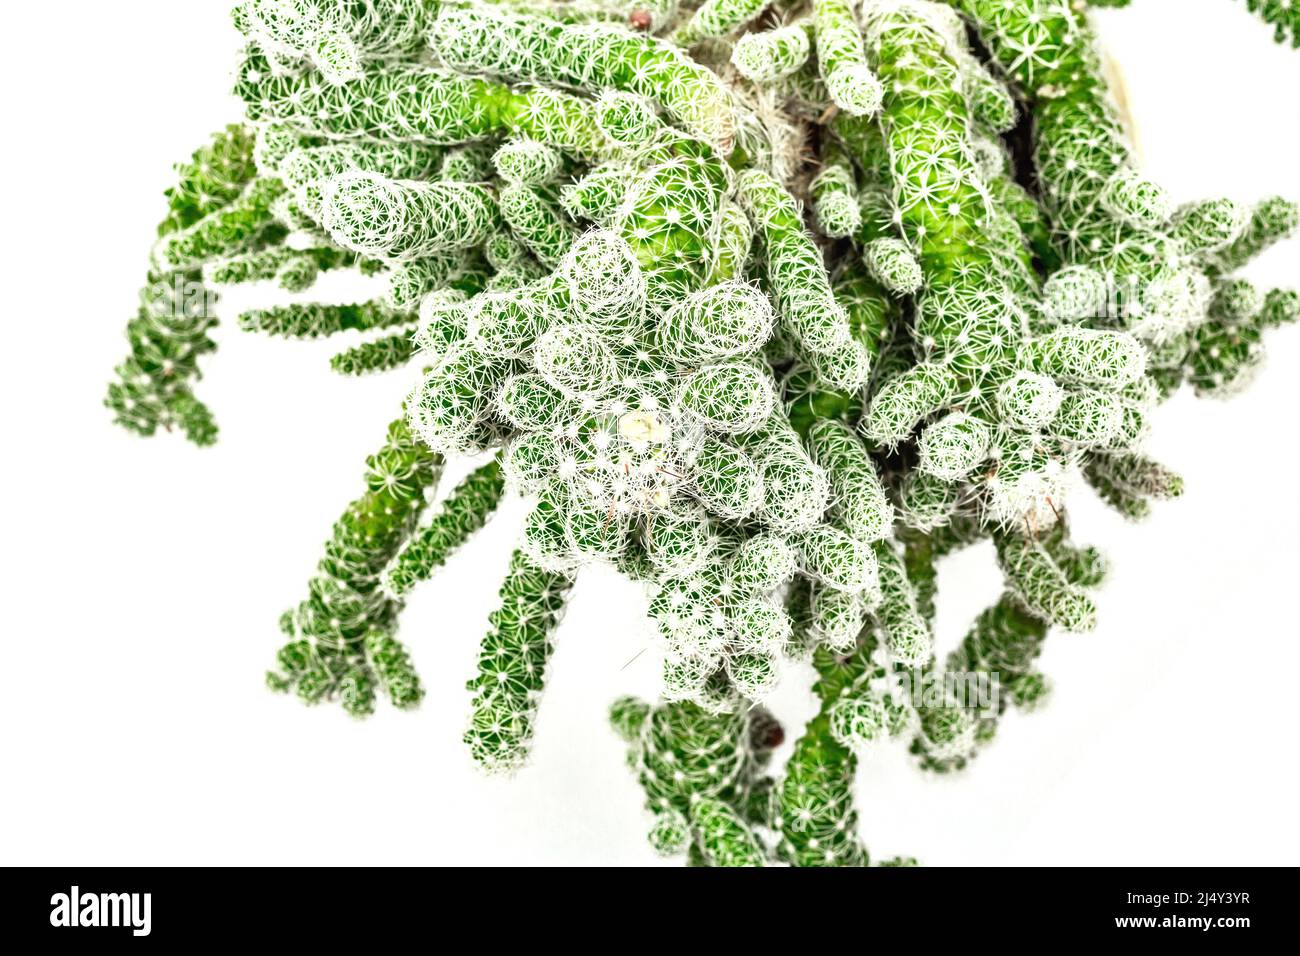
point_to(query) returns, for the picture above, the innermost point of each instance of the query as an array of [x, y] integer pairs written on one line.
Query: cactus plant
[[768, 307]]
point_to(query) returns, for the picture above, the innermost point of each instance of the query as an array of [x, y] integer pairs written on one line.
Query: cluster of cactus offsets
[[769, 306]]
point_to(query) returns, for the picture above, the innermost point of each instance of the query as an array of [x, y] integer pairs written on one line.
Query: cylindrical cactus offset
[[227, 231], [890, 260], [793, 265], [377, 355], [717, 18], [409, 282], [834, 193], [906, 632], [769, 55], [1220, 357], [170, 330], [309, 320], [451, 409], [967, 322], [842, 60], [954, 445], [537, 222], [859, 501], [701, 773], [836, 559], [1091, 357], [528, 162], [628, 120], [343, 646], [308, 171], [215, 175], [724, 838], [1002, 645], [295, 270], [597, 195], [590, 58], [512, 664], [403, 220], [720, 322], [1268, 223], [314, 159], [463, 512], [815, 813], [1206, 227], [907, 398], [420, 105], [778, 420], [940, 199], [735, 243], [336, 36], [1043, 588], [1128, 481], [167, 337], [893, 264]]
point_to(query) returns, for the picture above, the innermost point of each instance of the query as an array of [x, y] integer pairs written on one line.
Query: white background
[[142, 579]]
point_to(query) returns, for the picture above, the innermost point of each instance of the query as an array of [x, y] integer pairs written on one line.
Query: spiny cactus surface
[[770, 307]]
